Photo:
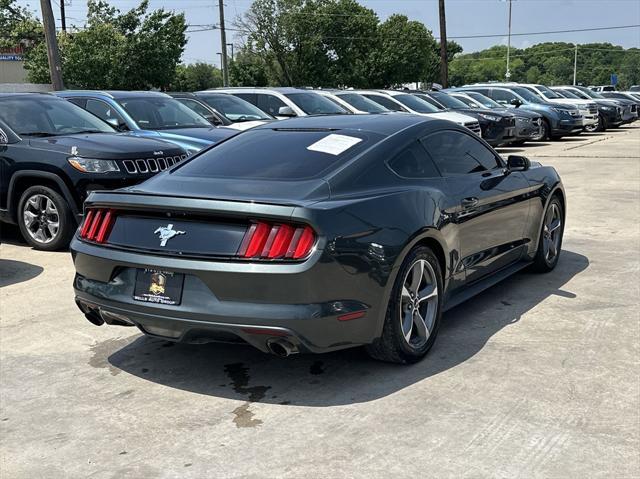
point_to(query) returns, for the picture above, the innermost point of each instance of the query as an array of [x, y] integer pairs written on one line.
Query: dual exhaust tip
[[279, 347]]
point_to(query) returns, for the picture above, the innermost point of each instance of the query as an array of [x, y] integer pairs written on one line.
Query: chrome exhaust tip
[[281, 347]]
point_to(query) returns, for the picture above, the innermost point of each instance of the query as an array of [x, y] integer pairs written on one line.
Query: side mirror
[[286, 111], [515, 102], [117, 124], [518, 163]]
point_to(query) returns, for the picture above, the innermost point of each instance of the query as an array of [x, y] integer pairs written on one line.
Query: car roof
[[284, 89], [17, 95], [115, 94], [383, 123]]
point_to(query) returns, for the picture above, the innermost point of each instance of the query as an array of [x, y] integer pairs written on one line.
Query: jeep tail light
[[97, 224], [265, 240]]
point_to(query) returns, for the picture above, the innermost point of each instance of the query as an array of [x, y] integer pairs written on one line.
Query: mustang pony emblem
[[166, 233]]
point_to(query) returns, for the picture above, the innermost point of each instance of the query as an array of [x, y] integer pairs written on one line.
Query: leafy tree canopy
[[132, 50], [550, 63], [18, 26], [196, 77], [335, 43]]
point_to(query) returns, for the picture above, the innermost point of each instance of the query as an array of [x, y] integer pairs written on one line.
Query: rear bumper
[[304, 304]]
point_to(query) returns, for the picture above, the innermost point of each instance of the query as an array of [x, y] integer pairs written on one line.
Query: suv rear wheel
[[45, 218]]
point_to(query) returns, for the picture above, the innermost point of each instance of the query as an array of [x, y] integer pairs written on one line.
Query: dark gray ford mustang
[[317, 234]]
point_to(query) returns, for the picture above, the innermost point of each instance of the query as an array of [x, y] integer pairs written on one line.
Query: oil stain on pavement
[[239, 375]]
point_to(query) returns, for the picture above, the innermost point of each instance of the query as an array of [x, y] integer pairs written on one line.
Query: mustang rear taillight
[[277, 241], [97, 224]]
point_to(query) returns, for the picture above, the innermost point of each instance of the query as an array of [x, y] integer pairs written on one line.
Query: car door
[[493, 204]]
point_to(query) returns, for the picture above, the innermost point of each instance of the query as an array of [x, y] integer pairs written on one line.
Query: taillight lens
[[97, 224], [276, 241]]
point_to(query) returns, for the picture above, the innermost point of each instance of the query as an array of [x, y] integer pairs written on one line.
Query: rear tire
[[550, 240], [45, 219], [414, 311]]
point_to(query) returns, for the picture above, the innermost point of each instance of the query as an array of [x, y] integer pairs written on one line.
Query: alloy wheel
[[41, 219], [551, 233], [418, 303]]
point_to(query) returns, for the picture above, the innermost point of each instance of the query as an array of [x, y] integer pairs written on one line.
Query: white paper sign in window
[[334, 144]]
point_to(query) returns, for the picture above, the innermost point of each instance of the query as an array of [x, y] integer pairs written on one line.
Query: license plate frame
[[158, 287]]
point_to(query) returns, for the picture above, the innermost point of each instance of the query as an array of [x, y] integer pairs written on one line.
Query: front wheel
[[45, 219], [597, 127], [550, 241], [414, 311], [545, 129]]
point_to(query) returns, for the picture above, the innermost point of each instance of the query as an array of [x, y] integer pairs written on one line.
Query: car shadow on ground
[[344, 377], [12, 272]]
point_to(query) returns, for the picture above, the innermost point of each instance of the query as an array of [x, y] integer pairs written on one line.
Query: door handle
[[469, 202]]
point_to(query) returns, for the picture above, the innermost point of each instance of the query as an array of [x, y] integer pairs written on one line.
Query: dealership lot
[[537, 377]]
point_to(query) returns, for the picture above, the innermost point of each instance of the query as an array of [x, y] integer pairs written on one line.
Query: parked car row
[[56, 150]]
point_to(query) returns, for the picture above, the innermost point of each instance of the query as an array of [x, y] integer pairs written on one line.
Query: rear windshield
[[279, 154]]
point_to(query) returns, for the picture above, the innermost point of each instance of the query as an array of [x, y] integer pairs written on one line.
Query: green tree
[[132, 50], [18, 26], [333, 43], [248, 69], [196, 77]]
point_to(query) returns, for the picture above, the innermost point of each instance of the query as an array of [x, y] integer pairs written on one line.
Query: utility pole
[[223, 44], [55, 69], [575, 65], [63, 18], [508, 73], [444, 67]]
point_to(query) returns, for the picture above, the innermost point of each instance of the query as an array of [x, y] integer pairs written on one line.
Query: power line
[[458, 37]]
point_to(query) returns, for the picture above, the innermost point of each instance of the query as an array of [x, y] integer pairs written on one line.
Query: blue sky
[[464, 17]]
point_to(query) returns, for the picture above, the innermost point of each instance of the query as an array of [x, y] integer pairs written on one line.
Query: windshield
[[567, 94], [162, 113], [448, 101], [484, 100], [362, 103], [273, 154], [526, 94], [466, 100], [314, 104], [385, 102], [431, 101], [548, 92], [234, 108], [415, 103], [590, 93], [579, 94], [42, 116]]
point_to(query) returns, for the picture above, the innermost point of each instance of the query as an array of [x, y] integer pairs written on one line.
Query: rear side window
[[275, 154], [270, 103], [413, 162], [456, 153]]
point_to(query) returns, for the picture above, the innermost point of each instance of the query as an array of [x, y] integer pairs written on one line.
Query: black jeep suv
[[53, 153]]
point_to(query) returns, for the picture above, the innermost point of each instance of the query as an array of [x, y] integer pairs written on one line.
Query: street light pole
[[508, 73]]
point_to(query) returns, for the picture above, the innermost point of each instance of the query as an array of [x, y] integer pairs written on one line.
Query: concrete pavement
[[536, 378]]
